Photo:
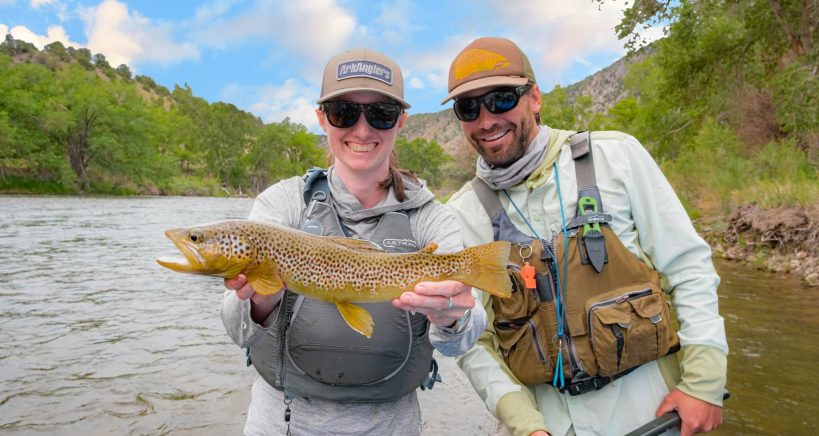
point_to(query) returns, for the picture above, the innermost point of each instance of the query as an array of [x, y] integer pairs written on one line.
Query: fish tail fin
[[489, 266], [357, 318]]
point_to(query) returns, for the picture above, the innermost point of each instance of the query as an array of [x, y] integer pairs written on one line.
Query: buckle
[[594, 383], [581, 387]]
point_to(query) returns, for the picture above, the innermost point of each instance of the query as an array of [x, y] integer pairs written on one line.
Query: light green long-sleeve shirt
[[650, 221]]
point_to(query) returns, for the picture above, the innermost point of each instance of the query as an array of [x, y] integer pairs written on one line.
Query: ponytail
[[395, 177]]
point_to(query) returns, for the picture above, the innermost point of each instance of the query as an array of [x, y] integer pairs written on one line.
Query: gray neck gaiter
[[502, 178]]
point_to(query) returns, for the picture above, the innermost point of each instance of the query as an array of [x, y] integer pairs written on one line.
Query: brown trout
[[337, 270]]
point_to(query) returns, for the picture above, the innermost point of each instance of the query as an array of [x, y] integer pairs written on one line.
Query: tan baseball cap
[[487, 63], [362, 70]]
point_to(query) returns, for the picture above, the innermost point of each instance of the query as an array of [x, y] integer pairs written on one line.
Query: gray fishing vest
[[313, 353]]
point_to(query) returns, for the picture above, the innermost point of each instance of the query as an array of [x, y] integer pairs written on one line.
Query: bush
[[708, 170]]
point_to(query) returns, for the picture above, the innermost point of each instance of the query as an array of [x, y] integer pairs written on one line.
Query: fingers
[[236, 282], [241, 286], [697, 416], [442, 302], [666, 406]]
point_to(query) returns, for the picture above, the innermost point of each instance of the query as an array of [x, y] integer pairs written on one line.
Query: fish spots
[[314, 266]]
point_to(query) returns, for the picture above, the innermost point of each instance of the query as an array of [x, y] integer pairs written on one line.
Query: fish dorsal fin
[[354, 244], [265, 278], [429, 249], [357, 318]]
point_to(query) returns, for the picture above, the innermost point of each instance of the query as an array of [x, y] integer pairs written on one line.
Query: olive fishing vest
[[315, 354], [607, 304]]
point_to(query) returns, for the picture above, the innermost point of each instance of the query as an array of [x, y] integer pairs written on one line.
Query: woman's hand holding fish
[[261, 305], [442, 302]]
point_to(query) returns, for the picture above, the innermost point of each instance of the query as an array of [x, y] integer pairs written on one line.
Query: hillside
[[606, 87], [72, 123]]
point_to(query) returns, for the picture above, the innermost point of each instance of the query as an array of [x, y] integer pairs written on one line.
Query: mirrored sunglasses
[[496, 101], [344, 114]]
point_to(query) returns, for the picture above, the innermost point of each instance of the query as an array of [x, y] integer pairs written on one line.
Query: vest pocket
[[521, 329], [523, 345], [628, 327]]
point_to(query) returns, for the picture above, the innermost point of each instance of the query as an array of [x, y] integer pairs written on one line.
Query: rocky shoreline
[[781, 240]]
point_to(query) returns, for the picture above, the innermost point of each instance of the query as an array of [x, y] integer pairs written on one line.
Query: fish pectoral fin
[[357, 318], [265, 279], [354, 244], [429, 249]]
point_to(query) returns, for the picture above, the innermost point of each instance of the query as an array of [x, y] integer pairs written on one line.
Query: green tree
[[282, 150], [425, 157], [559, 111], [124, 72]]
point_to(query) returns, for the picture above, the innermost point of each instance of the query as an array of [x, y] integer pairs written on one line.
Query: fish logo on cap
[[477, 61]]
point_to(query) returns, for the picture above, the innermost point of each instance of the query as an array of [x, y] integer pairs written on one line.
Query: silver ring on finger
[[450, 304]]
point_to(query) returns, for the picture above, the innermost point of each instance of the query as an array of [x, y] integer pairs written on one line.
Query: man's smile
[[496, 136]]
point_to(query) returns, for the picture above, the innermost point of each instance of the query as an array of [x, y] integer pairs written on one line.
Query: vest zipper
[[283, 322], [611, 301], [574, 361], [544, 357]]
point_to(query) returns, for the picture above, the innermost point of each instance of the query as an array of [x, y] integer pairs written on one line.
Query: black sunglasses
[[344, 114], [496, 101]]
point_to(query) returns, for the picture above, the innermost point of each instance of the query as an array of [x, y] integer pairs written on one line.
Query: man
[[579, 348]]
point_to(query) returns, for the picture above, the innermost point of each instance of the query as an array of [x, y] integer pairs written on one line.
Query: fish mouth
[[193, 261]]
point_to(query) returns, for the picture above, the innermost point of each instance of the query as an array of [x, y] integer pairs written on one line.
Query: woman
[[317, 376]]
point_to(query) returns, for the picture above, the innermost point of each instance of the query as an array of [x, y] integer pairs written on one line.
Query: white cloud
[[652, 34], [212, 11], [58, 6], [306, 32], [54, 33], [416, 83], [554, 34], [126, 37], [274, 103], [432, 64], [395, 20], [582, 61], [7, 2], [577, 26]]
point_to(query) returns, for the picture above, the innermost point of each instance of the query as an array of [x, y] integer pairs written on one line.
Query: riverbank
[[781, 240]]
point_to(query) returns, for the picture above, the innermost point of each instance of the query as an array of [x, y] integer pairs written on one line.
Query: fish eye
[[196, 236]]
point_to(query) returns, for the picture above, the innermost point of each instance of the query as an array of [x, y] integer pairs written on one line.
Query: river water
[[99, 339]]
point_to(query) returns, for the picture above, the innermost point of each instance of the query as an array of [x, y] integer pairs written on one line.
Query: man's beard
[[510, 155]]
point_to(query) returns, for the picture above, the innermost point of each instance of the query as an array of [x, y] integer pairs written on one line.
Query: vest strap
[[589, 203], [488, 197], [315, 181], [317, 189]]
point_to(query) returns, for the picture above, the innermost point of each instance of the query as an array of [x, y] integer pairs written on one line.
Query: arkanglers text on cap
[[362, 68]]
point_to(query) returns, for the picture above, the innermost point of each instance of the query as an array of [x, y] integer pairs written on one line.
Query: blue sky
[[267, 56]]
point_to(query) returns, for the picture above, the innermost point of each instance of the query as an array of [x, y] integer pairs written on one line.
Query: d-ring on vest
[[616, 317], [316, 355]]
